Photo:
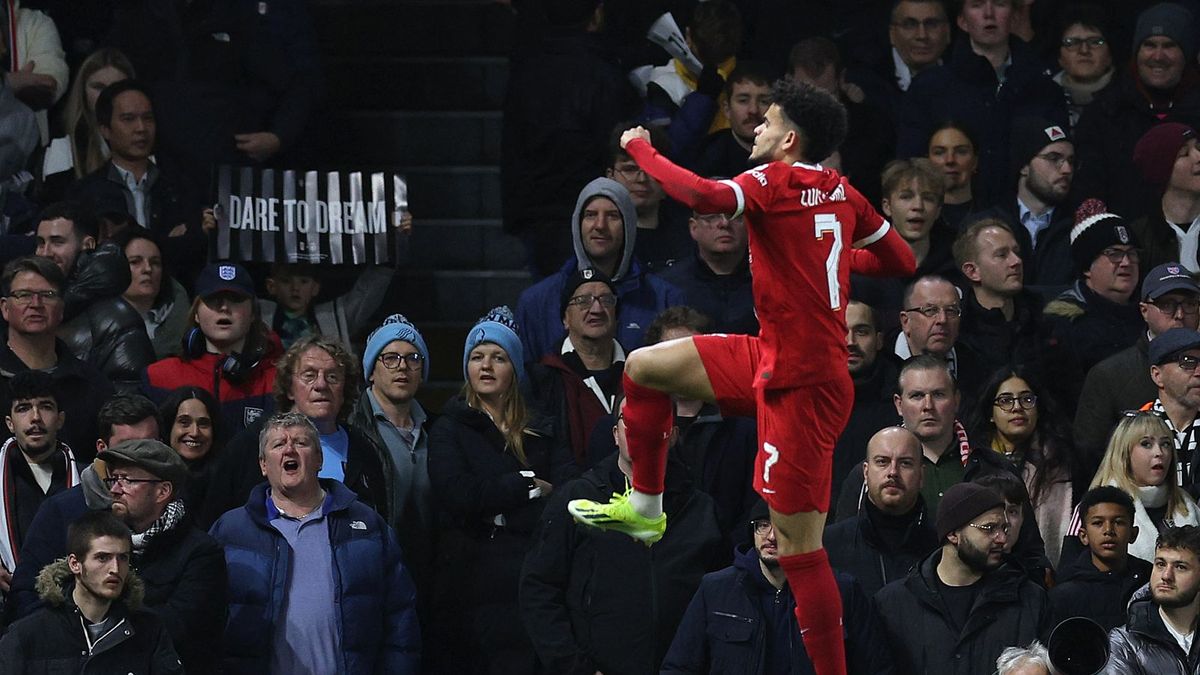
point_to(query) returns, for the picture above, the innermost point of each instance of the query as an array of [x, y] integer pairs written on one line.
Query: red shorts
[[797, 427]]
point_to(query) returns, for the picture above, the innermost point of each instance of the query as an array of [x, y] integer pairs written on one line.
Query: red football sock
[[818, 609], [648, 420]]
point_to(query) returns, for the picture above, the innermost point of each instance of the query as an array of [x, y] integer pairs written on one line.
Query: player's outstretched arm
[[889, 256], [701, 194]]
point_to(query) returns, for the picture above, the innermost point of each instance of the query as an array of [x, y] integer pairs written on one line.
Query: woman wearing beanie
[[491, 465]]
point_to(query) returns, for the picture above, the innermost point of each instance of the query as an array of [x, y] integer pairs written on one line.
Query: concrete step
[[457, 192], [413, 27], [453, 295], [416, 82], [452, 138], [464, 244]]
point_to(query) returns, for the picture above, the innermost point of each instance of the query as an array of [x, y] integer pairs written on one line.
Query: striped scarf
[[171, 516], [9, 547]]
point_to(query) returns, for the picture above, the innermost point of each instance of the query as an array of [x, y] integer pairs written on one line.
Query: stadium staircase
[[417, 87]]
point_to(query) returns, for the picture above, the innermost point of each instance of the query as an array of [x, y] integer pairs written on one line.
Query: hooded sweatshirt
[[640, 295]]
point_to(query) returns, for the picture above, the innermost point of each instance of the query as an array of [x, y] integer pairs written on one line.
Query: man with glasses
[[1170, 299], [1042, 160], [962, 606], [31, 303], [930, 323], [579, 384], [715, 278], [1173, 359], [1098, 316], [605, 230], [661, 222], [395, 364], [318, 378]]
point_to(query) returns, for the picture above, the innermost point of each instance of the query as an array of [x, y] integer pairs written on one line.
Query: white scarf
[[8, 547]]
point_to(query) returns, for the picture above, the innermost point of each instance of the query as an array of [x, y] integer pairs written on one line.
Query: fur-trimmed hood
[[55, 580]]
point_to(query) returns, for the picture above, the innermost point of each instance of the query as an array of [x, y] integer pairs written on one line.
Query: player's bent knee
[[800, 532]]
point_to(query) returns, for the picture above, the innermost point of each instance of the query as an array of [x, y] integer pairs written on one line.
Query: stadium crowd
[[216, 466]]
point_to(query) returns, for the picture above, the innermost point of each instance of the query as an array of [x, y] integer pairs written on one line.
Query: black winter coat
[[1048, 266], [1105, 137], [98, 325], [1083, 590], [855, 546], [1144, 647], [53, 640], [725, 630], [1120, 382], [1009, 610], [726, 299], [477, 484], [599, 601]]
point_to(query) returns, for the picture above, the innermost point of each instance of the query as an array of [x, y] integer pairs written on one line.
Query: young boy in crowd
[[1098, 582]]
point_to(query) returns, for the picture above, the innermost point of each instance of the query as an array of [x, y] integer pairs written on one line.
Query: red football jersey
[[801, 222]]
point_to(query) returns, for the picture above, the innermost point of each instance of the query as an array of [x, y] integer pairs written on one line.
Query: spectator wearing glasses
[[715, 277], [181, 566], [1042, 166], [1016, 417], [395, 365], [1173, 359], [1158, 87], [963, 589], [1098, 316], [605, 229], [579, 385], [1170, 299], [31, 303], [1085, 55], [318, 378], [1168, 157], [1140, 460], [662, 233], [929, 324]]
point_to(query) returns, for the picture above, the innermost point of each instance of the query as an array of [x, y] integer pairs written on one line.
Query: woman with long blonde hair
[[100, 69], [1140, 460], [492, 463]]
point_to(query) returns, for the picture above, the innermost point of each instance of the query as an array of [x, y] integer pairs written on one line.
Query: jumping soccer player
[[801, 220]]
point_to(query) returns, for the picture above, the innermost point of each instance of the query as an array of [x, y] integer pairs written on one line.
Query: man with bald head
[[891, 531]]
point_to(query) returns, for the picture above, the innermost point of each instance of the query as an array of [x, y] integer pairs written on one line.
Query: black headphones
[[236, 367]]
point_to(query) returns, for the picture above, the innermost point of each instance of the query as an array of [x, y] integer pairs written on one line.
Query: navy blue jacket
[[726, 626], [376, 600]]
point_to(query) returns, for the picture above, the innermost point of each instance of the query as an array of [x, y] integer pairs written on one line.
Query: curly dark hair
[[817, 115]]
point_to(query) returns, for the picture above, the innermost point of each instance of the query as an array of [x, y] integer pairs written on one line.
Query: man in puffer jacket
[[1159, 638], [99, 326], [93, 621]]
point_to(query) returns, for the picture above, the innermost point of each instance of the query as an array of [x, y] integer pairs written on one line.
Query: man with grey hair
[[341, 600], [1031, 660]]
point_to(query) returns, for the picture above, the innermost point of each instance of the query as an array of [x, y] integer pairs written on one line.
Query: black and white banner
[[333, 217]]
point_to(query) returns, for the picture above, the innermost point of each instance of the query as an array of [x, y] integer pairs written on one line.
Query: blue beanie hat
[[395, 327], [500, 327]]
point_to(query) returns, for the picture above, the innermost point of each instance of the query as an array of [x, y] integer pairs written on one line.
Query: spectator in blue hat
[[492, 463], [227, 350], [395, 364]]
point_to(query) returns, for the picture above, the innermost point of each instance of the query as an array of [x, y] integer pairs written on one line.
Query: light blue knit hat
[[395, 327], [499, 327]]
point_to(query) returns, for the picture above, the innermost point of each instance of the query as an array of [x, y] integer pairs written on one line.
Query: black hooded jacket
[[1083, 590]]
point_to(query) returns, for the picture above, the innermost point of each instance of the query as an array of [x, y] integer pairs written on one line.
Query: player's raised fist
[[636, 132]]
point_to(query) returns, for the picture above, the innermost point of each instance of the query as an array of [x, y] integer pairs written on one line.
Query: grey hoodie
[[606, 187]]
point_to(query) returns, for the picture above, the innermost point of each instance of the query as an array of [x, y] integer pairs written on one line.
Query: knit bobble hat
[[961, 504], [395, 327], [1095, 230], [498, 327], [1156, 151]]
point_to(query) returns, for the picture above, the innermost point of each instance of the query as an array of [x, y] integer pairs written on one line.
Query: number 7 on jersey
[[828, 223]]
